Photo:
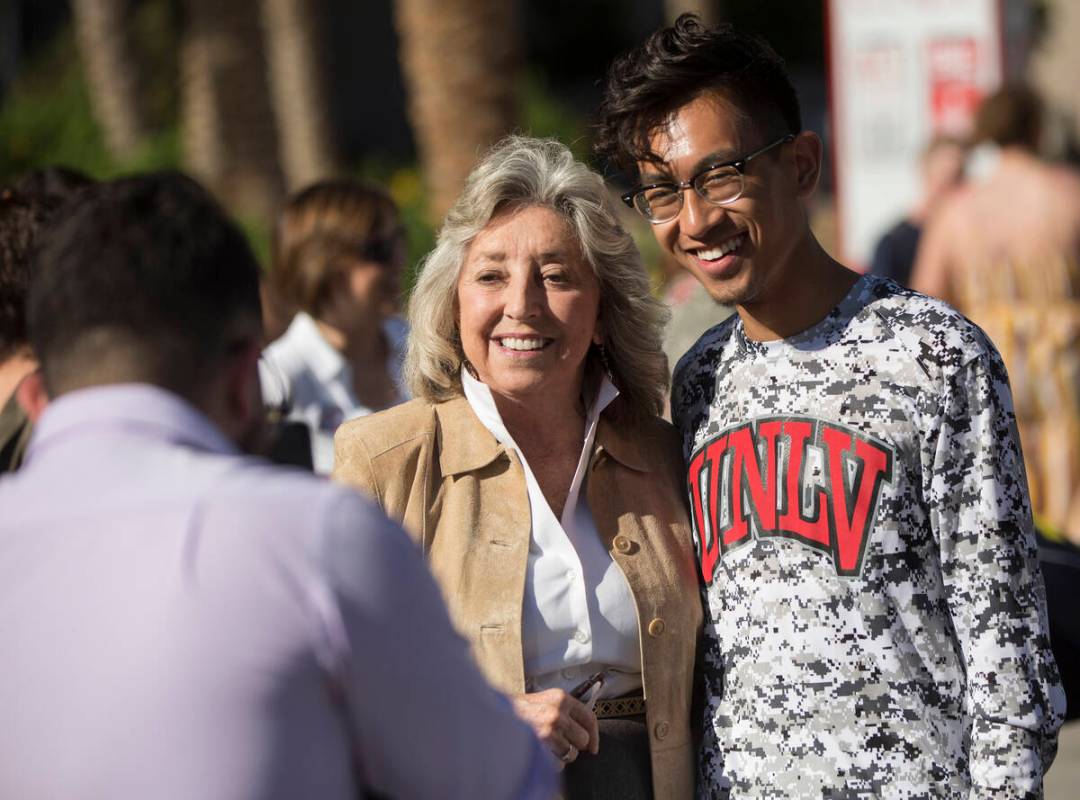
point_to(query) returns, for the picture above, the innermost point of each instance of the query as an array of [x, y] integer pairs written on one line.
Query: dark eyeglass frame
[[739, 164]]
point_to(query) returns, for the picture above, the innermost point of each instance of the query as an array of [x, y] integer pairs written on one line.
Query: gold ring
[[568, 756]]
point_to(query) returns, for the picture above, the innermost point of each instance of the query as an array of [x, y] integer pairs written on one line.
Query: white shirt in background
[[578, 615], [319, 381]]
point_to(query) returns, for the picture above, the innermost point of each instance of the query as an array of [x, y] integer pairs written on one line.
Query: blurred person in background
[[941, 167], [876, 624], [1005, 250], [180, 620], [338, 254], [21, 219], [25, 207], [535, 474]]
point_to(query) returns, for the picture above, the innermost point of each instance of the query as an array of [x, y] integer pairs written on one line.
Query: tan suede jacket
[[462, 495]]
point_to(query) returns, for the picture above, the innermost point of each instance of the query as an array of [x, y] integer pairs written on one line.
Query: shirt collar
[[135, 407], [325, 361], [481, 436], [483, 403], [474, 447]]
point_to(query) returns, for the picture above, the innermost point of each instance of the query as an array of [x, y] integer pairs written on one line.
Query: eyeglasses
[[718, 184]]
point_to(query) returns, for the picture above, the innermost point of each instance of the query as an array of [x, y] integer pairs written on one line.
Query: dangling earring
[[604, 362], [456, 339]]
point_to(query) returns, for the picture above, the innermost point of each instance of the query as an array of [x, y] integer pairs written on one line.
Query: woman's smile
[[528, 304]]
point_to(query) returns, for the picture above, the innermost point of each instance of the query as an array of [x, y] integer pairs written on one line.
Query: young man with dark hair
[[179, 620], [878, 624]]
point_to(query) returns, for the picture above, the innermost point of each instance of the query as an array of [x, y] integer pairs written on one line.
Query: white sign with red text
[[899, 72]]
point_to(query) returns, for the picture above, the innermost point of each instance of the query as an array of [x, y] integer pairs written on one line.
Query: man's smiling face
[[739, 251]]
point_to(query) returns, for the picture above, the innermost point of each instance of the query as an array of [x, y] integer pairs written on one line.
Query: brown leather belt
[[619, 707]]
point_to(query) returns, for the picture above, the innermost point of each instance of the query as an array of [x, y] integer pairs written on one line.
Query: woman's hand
[[562, 722]]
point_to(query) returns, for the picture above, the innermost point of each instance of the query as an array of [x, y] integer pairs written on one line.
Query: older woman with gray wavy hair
[[535, 473]]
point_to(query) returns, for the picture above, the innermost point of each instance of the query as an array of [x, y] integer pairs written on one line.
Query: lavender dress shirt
[[181, 621]]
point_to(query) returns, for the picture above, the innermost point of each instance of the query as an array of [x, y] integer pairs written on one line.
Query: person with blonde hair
[[536, 475], [337, 259]]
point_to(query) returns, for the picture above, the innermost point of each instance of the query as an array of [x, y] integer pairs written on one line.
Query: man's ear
[[31, 395], [808, 152], [243, 392]]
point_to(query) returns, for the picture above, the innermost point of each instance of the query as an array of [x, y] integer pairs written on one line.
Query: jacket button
[[656, 627], [661, 730], [622, 544]]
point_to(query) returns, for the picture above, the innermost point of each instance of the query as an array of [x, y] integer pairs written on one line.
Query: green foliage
[[259, 236], [46, 118], [544, 115]]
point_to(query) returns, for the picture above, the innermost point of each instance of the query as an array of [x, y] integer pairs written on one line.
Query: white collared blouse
[[578, 615]]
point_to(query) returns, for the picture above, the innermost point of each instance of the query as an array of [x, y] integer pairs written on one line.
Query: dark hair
[[143, 279], [22, 217], [1011, 116], [675, 66], [322, 229]]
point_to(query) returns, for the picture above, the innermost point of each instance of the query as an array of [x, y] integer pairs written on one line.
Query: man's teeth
[[714, 253], [523, 344]]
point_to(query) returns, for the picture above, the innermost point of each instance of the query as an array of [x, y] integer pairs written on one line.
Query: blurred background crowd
[[257, 99], [260, 98], [383, 108]]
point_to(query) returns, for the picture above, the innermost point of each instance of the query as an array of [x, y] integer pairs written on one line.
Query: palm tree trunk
[[229, 134], [460, 60], [297, 83], [112, 70]]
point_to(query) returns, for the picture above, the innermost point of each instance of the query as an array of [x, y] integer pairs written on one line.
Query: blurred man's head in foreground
[[145, 280]]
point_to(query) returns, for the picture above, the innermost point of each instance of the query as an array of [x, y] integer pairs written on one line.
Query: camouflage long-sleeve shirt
[[876, 619]]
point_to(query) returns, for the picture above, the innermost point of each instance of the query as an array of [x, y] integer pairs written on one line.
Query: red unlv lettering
[[797, 478]]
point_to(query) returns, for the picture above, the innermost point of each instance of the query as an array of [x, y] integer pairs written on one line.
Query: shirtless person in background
[[1005, 250]]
